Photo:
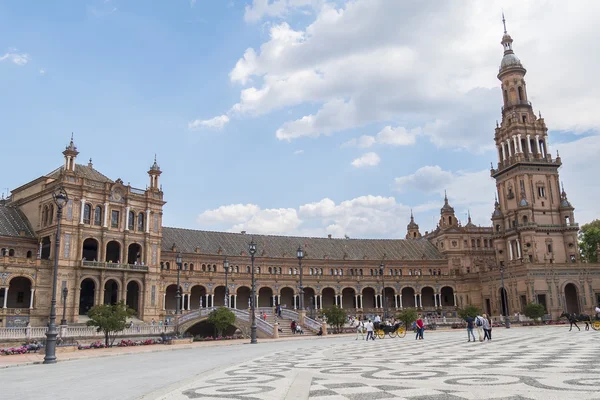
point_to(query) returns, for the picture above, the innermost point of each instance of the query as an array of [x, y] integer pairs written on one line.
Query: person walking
[[486, 327], [360, 330], [490, 324], [420, 328], [293, 327], [470, 323], [479, 326], [369, 327]]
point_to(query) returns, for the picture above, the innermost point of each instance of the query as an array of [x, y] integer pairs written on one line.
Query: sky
[[296, 117]]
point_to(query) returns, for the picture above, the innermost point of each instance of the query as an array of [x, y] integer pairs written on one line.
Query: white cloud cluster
[[260, 9], [398, 136], [213, 123], [16, 58], [370, 159]]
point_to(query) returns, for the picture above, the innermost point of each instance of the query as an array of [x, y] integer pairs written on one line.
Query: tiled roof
[[82, 171], [13, 222], [233, 244]]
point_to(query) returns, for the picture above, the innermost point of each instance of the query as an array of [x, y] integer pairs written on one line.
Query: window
[[131, 220], [114, 220], [70, 210], [67, 246], [290, 271], [465, 243], [98, 216], [472, 242], [140, 222], [29, 254], [549, 247], [11, 252], [541, 191], [162, 265], [87, 213], [167, 265], [50, 215]]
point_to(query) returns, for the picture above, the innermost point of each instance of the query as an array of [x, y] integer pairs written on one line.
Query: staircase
[[284, 323]]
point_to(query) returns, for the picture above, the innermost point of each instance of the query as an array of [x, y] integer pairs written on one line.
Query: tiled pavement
[[524, 363]]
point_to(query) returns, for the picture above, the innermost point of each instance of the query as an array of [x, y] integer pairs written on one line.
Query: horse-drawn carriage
[[396, 330], [593, 321]]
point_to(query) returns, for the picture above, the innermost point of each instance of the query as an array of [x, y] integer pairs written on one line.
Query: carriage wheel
[[392, 334], [380, 334], [401, 332], [596, 325]]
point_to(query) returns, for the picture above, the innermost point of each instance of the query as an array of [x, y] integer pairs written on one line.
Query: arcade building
[[114, 247]]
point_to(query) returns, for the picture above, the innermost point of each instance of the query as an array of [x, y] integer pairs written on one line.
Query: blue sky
[[256, 109]]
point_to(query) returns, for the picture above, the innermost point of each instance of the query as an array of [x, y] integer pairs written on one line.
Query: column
[[5, 297], [435, 301], [499, 153], [212, 300], [81, 211], [503, 151], [396, 301], [510, 249], [454, 299], [519, 142], [106, 211], [256, 299], [537, 144], [31, 299], [320, 302], [279, 299], [516, 145], [315, 302], [164, 301], [529, 144], [361, 302], [295, 298], [206, 301], [147, 226], [341, 301], [420, 300], [518, 248], [400, 298], [545, 145], [127, 219], [508, 145], [235, 301]]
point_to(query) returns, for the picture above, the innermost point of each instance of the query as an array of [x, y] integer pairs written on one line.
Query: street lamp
[[178, 261], [65, 293], [252, 249], [504, 298], [300, 255], [226, 267], [381, 272], [60, 198]]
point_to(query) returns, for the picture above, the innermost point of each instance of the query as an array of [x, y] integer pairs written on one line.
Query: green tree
[[408, 316], [336, 317], [221, 318], [110, 319], [534, 311], [589, 239], [469, 311]]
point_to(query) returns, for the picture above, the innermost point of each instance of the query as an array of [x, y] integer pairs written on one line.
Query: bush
[[534, 311], [336, 317], [469, 311], [407, 316]]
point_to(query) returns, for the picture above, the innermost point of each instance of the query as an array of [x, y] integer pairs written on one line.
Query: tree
[[221, 318], [408, 316], [336, 317], [110, 319], [469, 311], [589, 239], [534, 311]]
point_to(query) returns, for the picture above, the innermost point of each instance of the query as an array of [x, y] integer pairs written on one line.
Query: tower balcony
[[538, 227], [525, 159], [113, 266]]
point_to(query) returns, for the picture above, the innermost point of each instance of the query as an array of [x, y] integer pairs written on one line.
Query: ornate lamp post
[[382, 273], [61, 199], [65, 293], [179, 262], [252, 250], [226, 267], [504, 298], [300, 255]]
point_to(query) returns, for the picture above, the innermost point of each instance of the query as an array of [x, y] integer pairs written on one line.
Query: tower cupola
[[70, 154], [412, 228], [154, 174], [447, 217]]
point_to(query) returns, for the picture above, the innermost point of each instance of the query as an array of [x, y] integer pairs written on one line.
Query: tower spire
[[504, 22]]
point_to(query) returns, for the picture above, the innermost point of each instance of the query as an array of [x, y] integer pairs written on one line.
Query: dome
[[510, 60]]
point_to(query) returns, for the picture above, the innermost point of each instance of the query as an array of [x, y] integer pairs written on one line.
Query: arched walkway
[[111, 292], [408, 297], [133, 296], [328, 297], [427, 297], [113, 252], [87, 295], [287, 298], [134, 254], [197, 297], [309, 298], [19, 293], [447, 296], [503, 301], [571, 298], [243, 298], [219, 293], [368, 297], [389, 303], [171, 298], [348, 298], [90, 249], [265, 297]]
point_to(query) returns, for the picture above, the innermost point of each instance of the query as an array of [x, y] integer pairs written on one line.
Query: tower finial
[[504, 22], [445, 196], [412, 218], [469, 215], [154, 157]]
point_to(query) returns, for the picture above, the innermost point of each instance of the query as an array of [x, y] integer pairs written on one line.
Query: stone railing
[[202, 312], [289, 314], [112, 266], [80, 332], [260, 324], [312, 324], [137, 191]]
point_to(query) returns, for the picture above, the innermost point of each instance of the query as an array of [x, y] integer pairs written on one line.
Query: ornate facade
[[113, 245]]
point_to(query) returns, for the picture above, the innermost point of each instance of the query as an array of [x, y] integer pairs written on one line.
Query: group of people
[[483, 325], [296, 328]]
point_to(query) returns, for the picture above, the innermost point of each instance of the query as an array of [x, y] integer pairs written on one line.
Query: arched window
[[98, 216], [140, 226], [203, 267], [351, 272], [185, 266], [258, 270], [29, 254], [295, 271], [270, 271], [290, 271], [191, 266], [361, 272], [431, 272], [45, 216], [310, 271], [131, 221], [237, 269], [472, 242], [50, 214], [331, 271], [525, 220], [400, 272], [439, 271], [87, 213], [321, 271], [167, 265], [521, 97], [247, 269]]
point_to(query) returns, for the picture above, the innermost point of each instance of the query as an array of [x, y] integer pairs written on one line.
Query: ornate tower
[[447, 217], [154, 173], [529, 216], [412, 228], [70, 154]]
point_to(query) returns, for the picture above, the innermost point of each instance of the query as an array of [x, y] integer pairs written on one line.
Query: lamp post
[[504, 298], [381, 272], [300, 255], [226, 267], [252, 250], [60, 198], [179, 262], [65, 293]]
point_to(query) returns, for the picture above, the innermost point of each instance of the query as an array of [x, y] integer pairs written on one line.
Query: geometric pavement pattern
[[521, 363]]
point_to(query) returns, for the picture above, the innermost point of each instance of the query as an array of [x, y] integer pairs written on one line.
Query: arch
[[4, 252], [309, 298], [11, 252], [133, 295], [408, 297], [219, 298], [503, 300], [98, 216], [571, 298], [29, 254], [389, 303], [171, 298], [328, 297], [191, 266], [19, 292], [141, 222], [87, 295], [368, 297], [243, 298], [265, 297], [45, 255], [198, 297], [447, 296], [520, 93], [427, 297], [287, 297], [89, 249], [134, 254], [348, 298], [111, 291], [113, 252]]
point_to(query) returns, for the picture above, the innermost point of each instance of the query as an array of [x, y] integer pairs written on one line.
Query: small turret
[[412, 228], [447, 218], [70, 154], [154, 173]]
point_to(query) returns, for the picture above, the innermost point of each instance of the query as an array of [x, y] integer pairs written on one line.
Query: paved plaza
[[520, 363]]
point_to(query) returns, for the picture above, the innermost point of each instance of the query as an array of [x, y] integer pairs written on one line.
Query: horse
[[574, 318]]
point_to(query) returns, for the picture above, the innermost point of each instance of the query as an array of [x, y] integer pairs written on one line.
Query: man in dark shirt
[[470, 325]]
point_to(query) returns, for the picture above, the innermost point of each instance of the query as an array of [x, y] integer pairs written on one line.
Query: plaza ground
[[533, 363]]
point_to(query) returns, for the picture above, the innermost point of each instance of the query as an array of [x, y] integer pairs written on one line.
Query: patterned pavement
[[520, 363]]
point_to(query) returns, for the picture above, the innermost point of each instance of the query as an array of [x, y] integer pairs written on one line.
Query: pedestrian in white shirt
[[369, 327]]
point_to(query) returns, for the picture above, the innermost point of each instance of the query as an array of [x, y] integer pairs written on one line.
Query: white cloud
[[214, 123], [365, 141], [12, 56], [192, 3], [260, 9], [42, 71], [437, 72], [370, 159], [297, 152], [398, 136]]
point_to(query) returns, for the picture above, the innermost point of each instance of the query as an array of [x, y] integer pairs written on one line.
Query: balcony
[[114, 266]]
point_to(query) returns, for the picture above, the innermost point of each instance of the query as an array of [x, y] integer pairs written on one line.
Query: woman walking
[[486, 327]]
